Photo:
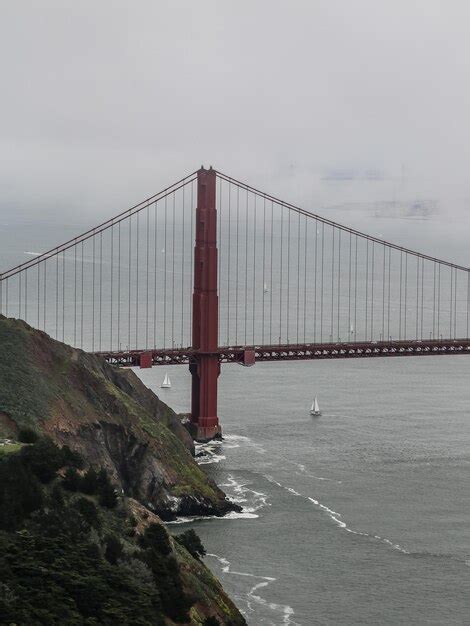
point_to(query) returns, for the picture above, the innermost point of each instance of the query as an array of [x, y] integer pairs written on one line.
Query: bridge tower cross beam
[[205, 367]]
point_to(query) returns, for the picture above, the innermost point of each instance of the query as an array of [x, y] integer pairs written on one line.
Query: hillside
[[105, 414], [73, 552]]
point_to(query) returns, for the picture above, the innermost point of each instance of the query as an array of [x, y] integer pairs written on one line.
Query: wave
[[239, 493], [303, 471], [235, 441], [251, 598], [190, 519], [336, 517]]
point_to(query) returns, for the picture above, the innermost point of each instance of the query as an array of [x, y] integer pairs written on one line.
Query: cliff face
[[105, 414]]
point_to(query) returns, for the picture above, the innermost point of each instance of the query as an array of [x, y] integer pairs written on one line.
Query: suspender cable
[[332, 282], [271, 277], [173, 275], [438, 300], [422, 296], [93, 296], [45, 296], [137, 251], [147, 285], [417, 294], [237, 264], [406, 291], [367, 290], [315, 285], [401, 274], [298, 277], [288, 273], [355, 292], [280, 282], [75, 297], [119, 290], [322, 268], [111, 288], [339, 280], [155, 263], [305, 276], [389, 286], [101, 288], [264, 270], [183, 266], [383, 293], [372, 293], [165, 249], [229, 246], [129, 287], [246, 266], [254, 268], [82, 299]]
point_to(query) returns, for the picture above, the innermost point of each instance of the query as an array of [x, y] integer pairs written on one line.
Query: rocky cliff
[[108, 416]]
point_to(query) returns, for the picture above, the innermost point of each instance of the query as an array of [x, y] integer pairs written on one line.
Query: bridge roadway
[[248, 355]]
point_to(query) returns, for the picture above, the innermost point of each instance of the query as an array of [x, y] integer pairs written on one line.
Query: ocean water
[[360, 516]]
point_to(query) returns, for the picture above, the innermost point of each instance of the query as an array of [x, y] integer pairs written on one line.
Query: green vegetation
[[8, 448], [193, 544], [67, 559]]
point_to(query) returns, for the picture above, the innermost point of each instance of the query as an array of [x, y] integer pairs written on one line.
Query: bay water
[[360, 516]]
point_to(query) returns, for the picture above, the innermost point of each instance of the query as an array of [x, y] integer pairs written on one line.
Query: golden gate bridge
[[211, 270]]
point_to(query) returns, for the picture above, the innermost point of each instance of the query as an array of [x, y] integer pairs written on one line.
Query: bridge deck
[[247, 355]]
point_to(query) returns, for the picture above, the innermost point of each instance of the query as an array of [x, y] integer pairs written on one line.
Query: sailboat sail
[[166, 384], [315, 409]]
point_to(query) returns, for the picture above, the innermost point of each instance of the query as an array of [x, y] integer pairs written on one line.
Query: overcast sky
[[103, 103]]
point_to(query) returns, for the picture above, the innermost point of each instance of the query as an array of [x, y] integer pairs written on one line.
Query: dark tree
[[156, 538], [72, 458], [43, 459], [88, 511], [20, 493], [71, 479], [89, 482], [114, 548], [27, 435], [108, 497], [192, 542]]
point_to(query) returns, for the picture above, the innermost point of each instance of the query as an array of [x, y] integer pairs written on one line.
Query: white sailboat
[[166, 384], [265, 288], [315, 409]]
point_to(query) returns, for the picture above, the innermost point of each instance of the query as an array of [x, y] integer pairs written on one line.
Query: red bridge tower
[[205, 368]]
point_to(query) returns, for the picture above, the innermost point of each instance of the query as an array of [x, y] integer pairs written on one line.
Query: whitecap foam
[[240, 493], [251, 598], [336, 517]]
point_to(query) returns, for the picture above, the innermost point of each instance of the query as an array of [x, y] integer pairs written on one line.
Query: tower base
[[207, 429]]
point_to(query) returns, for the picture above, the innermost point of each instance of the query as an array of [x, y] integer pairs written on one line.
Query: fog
[[327, 103]]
